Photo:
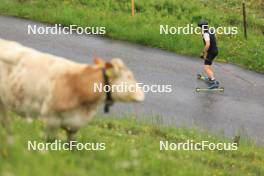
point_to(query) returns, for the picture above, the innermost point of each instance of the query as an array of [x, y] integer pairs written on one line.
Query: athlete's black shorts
[[210, 57]]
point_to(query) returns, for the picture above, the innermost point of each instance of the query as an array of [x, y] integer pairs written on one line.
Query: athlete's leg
[[208, 69], [208, 64]]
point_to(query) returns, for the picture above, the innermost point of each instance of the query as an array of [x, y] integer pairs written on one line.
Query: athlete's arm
[[207, 44], [206, 47]]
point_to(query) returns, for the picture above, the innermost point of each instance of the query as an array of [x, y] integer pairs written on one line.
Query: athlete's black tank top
[[213, 44]]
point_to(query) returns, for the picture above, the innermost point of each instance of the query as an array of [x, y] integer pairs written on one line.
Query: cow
[[58, 91]]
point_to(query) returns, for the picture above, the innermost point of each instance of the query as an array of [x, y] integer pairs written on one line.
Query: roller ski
[[213, 85]]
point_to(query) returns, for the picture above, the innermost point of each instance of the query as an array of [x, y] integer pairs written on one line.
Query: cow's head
[[119, 75]]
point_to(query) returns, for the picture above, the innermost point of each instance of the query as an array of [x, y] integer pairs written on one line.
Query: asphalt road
[[239, 110]]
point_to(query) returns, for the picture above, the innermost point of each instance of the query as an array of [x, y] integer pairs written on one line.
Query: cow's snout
[[139, 96]]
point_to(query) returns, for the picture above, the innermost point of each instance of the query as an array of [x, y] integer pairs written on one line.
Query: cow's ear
[[108, 65], [98, 61]]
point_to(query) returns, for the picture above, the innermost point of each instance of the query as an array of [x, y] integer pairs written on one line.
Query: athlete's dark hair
[[203, 24]]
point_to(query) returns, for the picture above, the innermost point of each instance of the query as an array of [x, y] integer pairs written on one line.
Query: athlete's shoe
[[206, 78], [213, 84]]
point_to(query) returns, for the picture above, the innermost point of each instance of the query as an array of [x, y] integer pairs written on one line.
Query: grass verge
[[132, 148]]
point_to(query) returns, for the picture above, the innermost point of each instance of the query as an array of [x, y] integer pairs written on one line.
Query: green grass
[[144, 27], [132, 148]]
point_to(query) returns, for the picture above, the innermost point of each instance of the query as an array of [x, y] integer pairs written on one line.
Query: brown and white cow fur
[[59, 91]]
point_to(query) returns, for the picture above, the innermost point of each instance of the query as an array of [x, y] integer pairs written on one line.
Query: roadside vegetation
[[143, 28], [132, 148]]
